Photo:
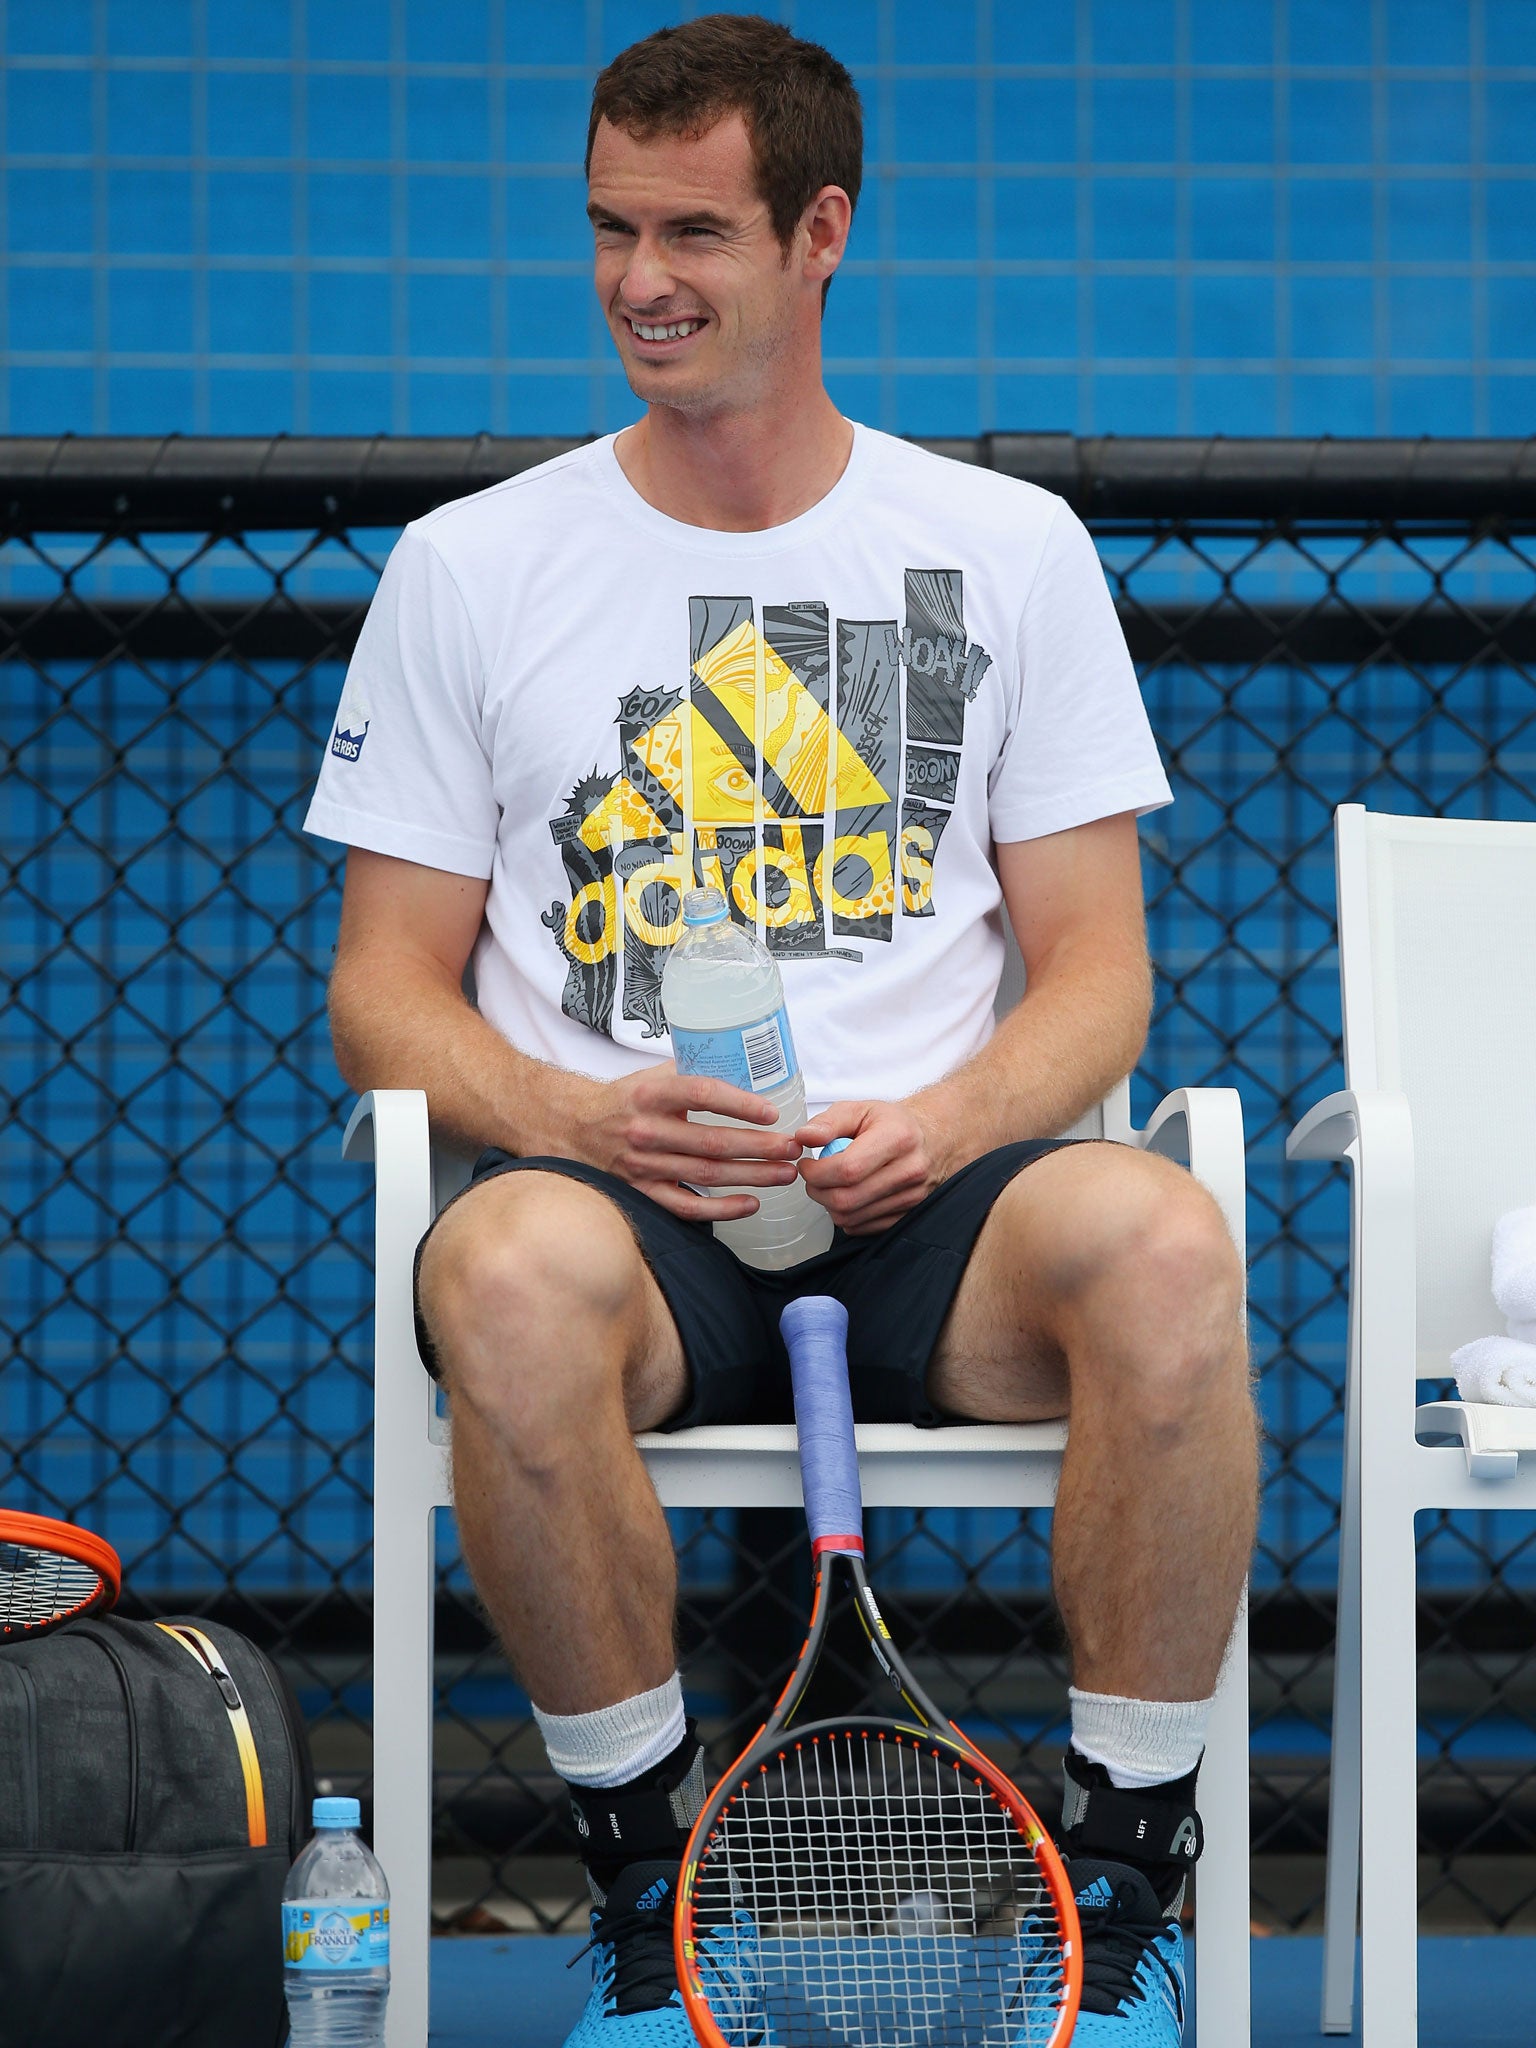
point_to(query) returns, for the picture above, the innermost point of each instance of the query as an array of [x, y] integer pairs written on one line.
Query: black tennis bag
[[155, 1784]]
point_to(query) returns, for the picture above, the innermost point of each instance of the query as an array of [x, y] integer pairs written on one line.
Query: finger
[[824, 1182], [697, 1091], [874, 1150], [884, 1210], [842, 1120], [826, 1155], [694, 1208], [721, 1173], [899, 1185], [814, 1136], [671, 1135], [881, 1219]]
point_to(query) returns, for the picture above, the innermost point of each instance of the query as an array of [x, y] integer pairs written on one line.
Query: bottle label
[[335, 1934], [757, 1057]]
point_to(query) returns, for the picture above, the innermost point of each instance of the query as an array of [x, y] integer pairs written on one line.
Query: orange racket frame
[[62, 1539], [928, 1728]]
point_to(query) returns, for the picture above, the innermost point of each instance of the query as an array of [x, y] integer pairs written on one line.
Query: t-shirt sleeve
[[1080, 746], [406, 771]]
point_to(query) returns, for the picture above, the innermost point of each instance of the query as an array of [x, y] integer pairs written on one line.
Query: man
[[878, 698]]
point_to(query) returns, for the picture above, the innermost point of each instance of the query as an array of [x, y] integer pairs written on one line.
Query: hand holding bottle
[[724, 1004], [895, 1158], [639, 1128]]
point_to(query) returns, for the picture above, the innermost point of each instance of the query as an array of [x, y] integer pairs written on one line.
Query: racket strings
[[40, 1585], [860, 1892]]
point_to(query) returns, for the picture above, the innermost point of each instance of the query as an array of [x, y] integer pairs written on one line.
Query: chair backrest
[[1437, 956], [1107, 1119]]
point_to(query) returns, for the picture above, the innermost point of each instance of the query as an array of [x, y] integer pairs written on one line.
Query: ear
[[825, 225]]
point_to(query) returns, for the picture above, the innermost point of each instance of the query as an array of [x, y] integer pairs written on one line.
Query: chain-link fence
[[187, 1289]]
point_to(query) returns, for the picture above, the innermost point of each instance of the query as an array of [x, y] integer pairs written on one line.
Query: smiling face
[[705, 311]]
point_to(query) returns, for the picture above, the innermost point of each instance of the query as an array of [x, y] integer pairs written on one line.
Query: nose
[[648, 276]]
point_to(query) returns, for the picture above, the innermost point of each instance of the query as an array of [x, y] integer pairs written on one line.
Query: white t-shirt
[[563, 691]]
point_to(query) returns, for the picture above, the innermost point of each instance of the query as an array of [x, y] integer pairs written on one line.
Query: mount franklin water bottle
[[336, 1936], [724, 1005]]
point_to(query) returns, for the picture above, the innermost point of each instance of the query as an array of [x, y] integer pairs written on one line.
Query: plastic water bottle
[[725, 1010], [336, 1936]]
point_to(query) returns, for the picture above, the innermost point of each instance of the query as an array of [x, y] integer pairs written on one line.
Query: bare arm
[[399, 1020], [1075, 903], [1074, 899]]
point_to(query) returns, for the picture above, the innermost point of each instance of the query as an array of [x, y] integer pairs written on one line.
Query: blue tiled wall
[[1145, 216]]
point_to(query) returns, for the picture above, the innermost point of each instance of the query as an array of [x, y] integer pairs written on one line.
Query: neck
[[737, 472]]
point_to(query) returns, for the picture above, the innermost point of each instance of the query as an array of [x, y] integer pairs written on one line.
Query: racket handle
[[815, 1332]]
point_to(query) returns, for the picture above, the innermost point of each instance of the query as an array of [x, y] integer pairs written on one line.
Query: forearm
[[399, 1023], [1079, 1029], [399, 1020]]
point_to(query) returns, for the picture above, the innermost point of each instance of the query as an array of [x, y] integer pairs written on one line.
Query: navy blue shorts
[[897, 1288]]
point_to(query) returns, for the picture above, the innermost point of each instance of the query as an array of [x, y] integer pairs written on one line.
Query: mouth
[[657, 338]]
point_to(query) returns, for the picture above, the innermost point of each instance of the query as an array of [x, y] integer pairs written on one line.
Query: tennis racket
[[51, 1572], [862, 1882]]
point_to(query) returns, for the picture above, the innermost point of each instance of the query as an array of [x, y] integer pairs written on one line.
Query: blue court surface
[[518, 1993]]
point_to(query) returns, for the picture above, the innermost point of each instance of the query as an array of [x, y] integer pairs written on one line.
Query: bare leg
[[556, 1347], [1105, 1286]]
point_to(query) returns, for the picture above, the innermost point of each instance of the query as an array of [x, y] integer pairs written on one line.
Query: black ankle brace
[[1156, 1828], [648, 1819]]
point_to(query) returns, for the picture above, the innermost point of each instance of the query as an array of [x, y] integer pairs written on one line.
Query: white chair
[[746, 1466], [1438, 1123]]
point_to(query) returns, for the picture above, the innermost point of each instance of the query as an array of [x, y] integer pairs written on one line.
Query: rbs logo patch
[[348, 745]]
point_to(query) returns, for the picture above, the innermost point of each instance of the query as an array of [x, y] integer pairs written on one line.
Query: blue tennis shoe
[[1133, 1959], [634, 2001]]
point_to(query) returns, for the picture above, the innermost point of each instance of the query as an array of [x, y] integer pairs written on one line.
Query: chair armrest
[[1372, 1129], [389, 1127], [357, 1138], [1376, 1121], [1203, 1128]]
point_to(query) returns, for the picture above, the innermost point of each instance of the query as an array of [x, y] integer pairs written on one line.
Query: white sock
[[1139, 1742], [612, 1745]]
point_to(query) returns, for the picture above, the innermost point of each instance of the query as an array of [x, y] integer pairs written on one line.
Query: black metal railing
[[187, 1291]]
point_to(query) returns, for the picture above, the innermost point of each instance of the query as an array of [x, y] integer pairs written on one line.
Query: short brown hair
[[802, 110]]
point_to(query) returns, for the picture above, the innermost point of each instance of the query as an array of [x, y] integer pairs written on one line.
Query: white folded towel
[[1502, 1370], [1514, 1271]]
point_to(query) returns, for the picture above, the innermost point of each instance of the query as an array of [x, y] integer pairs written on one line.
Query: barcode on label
[[764, 1049]]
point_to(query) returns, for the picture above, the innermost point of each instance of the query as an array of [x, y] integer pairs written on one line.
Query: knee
[[1153, 1296], [528, 1288]]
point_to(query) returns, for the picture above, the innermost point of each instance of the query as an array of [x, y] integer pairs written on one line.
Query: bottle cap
[[703, 906], [833, 1147], [337, 1813]]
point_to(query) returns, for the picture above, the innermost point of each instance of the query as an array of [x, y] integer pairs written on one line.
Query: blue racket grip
[[815, 1332]]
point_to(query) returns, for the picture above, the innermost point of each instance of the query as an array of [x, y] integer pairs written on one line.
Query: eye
[[733, 782]]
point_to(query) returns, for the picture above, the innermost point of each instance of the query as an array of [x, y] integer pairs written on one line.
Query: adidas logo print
[[650, 1899], [1099, 1893]]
